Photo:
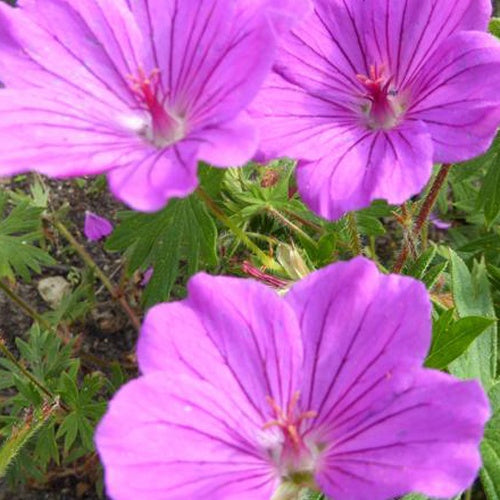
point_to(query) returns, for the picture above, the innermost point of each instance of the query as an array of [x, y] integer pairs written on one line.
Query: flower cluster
[[246, 394], [366, 94]]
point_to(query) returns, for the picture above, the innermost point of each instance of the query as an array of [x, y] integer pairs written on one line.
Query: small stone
[[53, 290]]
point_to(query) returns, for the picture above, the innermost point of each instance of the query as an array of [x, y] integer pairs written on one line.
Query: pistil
[[382, 111], [165, 128]]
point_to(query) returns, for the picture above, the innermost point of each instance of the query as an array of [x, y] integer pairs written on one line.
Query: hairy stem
[[423, 214], [87, 258], [352, 229], [224, 219], [281, 218]]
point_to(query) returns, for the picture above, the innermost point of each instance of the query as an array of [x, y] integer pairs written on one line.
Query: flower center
[[164, 128], [290, 452], [383, 109]]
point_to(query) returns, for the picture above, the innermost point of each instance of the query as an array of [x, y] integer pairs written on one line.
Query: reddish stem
[[423, 214]]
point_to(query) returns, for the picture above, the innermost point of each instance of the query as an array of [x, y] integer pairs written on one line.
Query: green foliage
[[451, 338], [490, 448], [489, 196], [62, 431], [472, 297], [183, 235], [495, 26], [19, 230], [32, 422]]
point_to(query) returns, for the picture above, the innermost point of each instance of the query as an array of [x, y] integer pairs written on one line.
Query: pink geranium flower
[[368, 94], [245, 394], [140, 90]]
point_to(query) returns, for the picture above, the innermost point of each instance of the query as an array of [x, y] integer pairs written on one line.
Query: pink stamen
[[289, 421], [165, 126], [381, 112]]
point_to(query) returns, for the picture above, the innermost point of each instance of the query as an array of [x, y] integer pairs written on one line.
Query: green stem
[[224, 219], [280, 217], [87, 258], [25, 306], [352, 229], [468, 494]]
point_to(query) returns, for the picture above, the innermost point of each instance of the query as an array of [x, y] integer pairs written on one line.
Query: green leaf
[[182, 233], [433, 274], [369, 225], [490, 449], [472, 297], [495, 27], [489, 195], [420, 266], [450, 344], [18, 231], [68, 429]]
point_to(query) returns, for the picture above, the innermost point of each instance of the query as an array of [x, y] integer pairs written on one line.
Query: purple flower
[[368, 94], [244, 392], [95, 227], [137, 89]]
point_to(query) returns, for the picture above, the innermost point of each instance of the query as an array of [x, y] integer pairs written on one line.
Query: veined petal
[[360, 328], [178, 437], [457, 96], [89, 47], [364, 165], [297, 123], [213, 55], [227, 325], [403, 35], [413, 443], [230, 144], [155, 176], [62, 136]]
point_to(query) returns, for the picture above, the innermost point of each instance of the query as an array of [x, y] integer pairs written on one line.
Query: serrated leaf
[[420, 266], [472, 297], [68, 429], [450, 344], [183, 231], [18, 231]]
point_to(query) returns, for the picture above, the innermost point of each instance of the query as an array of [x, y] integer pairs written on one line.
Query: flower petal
[[413, 443], [155, 176], [213, 55], [96, 227], [403, 35], [88, 46], [228, 325], [358, 326], [62, 136], [365, 165], [179, 437], [230, 144], [458, 96]]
